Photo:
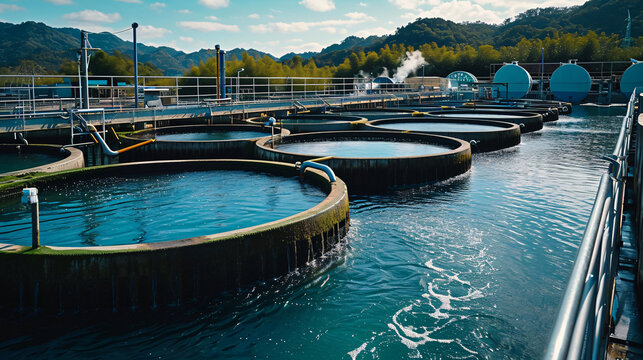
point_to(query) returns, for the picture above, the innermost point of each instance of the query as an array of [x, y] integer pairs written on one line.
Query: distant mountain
[[236, 53], [49, 47], [305, 55]]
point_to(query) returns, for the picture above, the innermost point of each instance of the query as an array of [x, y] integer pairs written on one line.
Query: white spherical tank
[[570, 82], [516, 78], [632, 78]]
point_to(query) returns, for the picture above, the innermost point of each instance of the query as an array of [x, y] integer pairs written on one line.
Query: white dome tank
[[517, 79], [632, 78], [570, 82]]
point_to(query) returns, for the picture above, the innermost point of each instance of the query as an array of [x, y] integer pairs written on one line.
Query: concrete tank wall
[[202, 149], [367, 175], [71, 158], [493, 139], [149, 275]]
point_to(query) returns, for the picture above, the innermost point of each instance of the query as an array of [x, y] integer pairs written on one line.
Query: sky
[[274, 26]]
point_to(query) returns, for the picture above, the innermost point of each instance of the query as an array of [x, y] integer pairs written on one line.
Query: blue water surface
[[136, 209], [470, 268]]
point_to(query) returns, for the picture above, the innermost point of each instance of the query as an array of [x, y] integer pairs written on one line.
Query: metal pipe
[[136, 146], [218, 48], [30, 196], [84, 84], [563, 328], [314, 165], [222, 72], [590, 294], [134, 26]]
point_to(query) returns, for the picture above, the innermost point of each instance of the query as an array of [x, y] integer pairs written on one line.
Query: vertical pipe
[[78, 91], [35, 226], [33, 93], [218, 48], [134, 26], [542, 70], [222, 72], [84, 84]]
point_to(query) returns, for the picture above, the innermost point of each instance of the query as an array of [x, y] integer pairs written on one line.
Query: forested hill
[[608, 16], [50, 47]]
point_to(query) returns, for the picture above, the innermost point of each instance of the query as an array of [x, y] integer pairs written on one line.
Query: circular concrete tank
[[314, 123], [375, 114], [631, 79], [570, 82], [516, 79], [197, 142], [372, 161], [483, 135], [527, 121], [172, 272], [17, 160], [548, 113]]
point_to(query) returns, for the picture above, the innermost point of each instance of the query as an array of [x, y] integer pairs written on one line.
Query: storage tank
[[632, 78], [462, 77], [516, 78], [570, 82]]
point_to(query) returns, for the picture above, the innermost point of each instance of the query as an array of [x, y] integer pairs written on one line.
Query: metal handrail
[[580, 330]]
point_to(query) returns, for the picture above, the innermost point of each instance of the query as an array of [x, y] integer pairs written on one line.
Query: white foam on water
[[353, 354]]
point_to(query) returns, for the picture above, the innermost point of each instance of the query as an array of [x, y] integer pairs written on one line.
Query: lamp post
[[238, 83]]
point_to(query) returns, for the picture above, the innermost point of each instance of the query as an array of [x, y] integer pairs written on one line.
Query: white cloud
[[253, 16], [152, 32], [92, 16], [208, 26], [458, 11], [157, 6], [183, 11], [302, 26], [413, 4], [363, 4], [359, 16], [269, 43], [318, 5], [131, 1], [60, 2], [214, 4], [270, 16], [212, 17], [475, 10], [10, 7], [379, 31], [261, 28], [295, 40], [186, 39], [329, 29]]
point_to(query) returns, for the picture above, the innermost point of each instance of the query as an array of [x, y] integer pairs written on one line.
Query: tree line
[[441, 59]]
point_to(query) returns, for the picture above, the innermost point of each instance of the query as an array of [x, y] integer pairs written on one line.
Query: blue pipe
[[271, 122], [134, 26], [318, 166], [222, 72]]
